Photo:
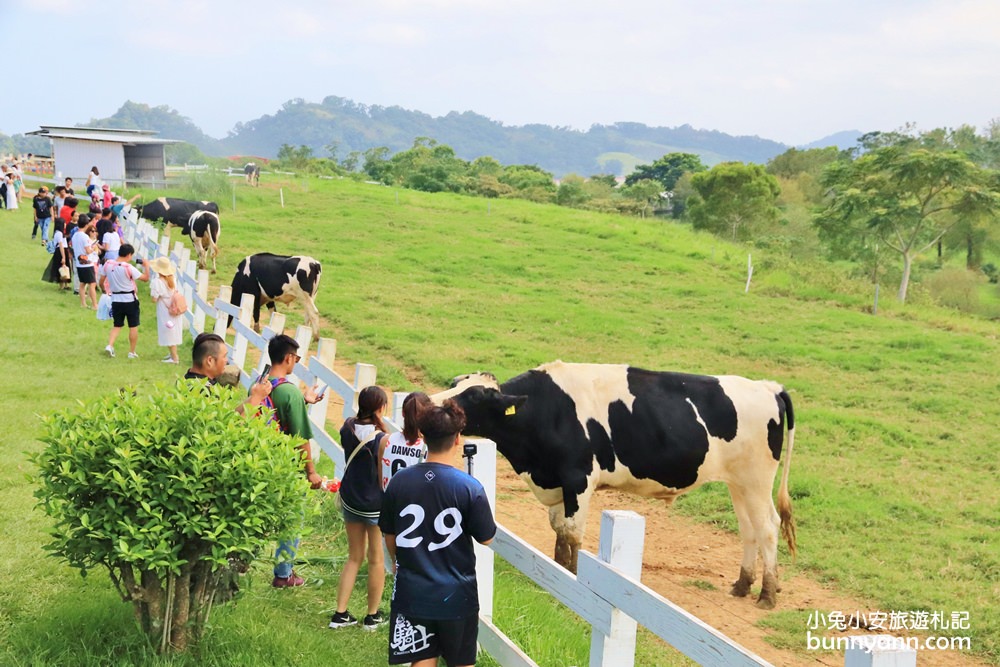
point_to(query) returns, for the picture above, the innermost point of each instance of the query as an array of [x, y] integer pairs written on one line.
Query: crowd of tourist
[[402, 490]]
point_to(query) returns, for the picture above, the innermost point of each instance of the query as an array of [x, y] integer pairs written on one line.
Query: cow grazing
[[252, 173], [174, 211], [568, 429], [203, 228], [272, 278]]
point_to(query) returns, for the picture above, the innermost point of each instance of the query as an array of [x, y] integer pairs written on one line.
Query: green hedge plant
[[167, 487]]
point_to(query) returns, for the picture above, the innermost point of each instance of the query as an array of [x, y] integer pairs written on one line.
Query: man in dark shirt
[[431, 512], [208, 361], [42, 206]]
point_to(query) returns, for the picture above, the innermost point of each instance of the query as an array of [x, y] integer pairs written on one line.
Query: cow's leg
[[570, 529], [312, 315], [765, 520], [256, 312], [215, 253], [747, 566], [200, 249]]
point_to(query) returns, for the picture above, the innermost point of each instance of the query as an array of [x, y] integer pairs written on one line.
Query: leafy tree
[[667, 169], [606, 179], [485, 165], [572, 191], [794, 162], [523, 177], [731, 197], [351, 162], [377, 165], [645, 193], [295, 158], [166, 490], [184, 153], [904, 198]]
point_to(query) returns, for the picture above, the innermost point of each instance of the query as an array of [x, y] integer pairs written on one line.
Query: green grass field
[[895, 471]]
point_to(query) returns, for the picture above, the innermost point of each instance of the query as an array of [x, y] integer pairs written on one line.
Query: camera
[[470, 449]]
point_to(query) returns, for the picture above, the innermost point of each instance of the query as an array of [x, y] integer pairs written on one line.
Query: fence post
[[622, 537], [199, 313], [303, 336], [326, 352], [222, 320], [240, 343], [364, 376], [397, 406], [485, 470], [868, 651]]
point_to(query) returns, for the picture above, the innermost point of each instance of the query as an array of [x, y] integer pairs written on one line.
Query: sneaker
[[373, 621], [168, 360], [110, 350], [132, 355], [342, 619], [291, 581]]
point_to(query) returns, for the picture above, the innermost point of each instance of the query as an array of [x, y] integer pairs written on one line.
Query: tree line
[[894, 197]]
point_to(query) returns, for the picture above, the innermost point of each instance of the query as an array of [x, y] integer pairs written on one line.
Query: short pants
[[120, 311], [413, 639], [86, 275]]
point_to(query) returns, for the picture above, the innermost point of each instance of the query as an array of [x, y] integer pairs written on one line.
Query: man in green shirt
[[289, 405]]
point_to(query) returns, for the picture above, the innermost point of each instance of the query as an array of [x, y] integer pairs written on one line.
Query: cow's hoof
[[741, 587], [765, 603]]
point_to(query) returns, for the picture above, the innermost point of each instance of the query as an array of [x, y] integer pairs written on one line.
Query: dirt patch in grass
[[679, 551]]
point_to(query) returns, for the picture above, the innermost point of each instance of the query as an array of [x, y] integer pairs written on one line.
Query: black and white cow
[[174, 211], [568, 429], [252, 173], [204, 229], [273, 278]]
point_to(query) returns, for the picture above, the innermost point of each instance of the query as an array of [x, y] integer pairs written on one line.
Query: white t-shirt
[[398, 455], [80, 242], [96, 181], [121, 278], [59, 239], [113, 243]]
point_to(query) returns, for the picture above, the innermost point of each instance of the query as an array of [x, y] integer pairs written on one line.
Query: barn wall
[[75, 157]]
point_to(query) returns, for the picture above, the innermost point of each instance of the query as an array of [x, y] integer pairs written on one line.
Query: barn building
[[132, 157]]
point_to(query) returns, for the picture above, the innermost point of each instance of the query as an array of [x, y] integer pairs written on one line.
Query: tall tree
[[667, 169], [904, 198], [731, 197]]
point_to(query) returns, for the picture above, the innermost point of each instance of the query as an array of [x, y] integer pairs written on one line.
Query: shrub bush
[[167, 488]]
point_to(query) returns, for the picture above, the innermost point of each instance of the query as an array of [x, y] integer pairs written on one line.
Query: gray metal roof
[[113, 135]]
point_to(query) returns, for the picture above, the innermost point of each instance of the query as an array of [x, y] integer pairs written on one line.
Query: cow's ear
[[511, 404]]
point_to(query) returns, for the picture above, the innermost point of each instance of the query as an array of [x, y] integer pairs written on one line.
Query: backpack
[[269, 404], [178, 304], [50, 247]]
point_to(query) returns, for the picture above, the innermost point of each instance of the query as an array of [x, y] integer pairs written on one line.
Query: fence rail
[[606, 592]]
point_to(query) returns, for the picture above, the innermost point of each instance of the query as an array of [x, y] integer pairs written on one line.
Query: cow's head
[[487, 409]]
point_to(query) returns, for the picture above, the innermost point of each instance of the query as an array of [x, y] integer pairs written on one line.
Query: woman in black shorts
[[361, 493]]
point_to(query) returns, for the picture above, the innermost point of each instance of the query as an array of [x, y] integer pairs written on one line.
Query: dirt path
[[679, 552]]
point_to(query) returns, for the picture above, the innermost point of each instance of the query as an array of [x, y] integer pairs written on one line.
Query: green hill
[[357, 127], [895, 468]]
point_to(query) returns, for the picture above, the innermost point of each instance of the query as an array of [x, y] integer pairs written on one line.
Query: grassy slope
[[895, 474], [892, 411]]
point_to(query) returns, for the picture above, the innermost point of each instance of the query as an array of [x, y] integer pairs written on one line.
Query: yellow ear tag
[[511, 410]]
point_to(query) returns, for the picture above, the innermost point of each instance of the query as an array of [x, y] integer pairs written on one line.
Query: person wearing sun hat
[[169, 328]]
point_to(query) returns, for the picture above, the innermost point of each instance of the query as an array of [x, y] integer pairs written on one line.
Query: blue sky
[[788, 70]]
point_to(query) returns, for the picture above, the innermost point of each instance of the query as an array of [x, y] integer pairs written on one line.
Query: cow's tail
[[785, 500]]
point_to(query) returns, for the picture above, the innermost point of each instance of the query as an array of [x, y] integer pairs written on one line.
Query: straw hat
[[163, 266]]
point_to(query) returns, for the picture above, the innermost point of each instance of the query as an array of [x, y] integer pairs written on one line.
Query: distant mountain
[[842, 140], [349, 126], [168, 122]]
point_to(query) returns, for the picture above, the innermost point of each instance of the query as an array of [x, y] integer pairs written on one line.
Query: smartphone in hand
[[263, 374]]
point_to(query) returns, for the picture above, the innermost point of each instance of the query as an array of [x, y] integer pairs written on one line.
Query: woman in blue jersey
[[361, 494], [431, 513]]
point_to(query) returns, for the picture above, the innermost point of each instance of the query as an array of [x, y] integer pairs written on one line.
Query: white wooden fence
[[605, 592]]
